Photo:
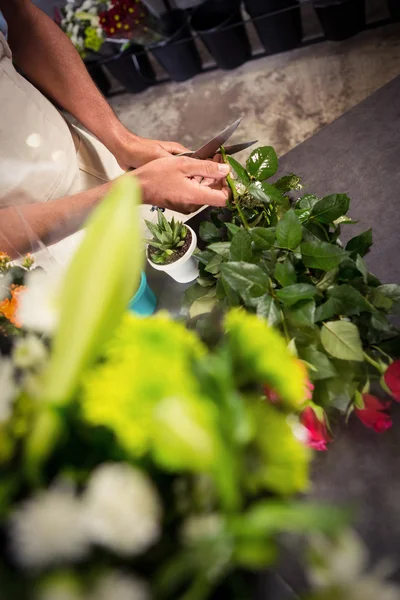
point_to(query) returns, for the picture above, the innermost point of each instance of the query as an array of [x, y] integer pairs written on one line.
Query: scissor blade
[[211, 147], [239, 147]]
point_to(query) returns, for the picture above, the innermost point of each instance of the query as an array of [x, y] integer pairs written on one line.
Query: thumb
[[192, 167]]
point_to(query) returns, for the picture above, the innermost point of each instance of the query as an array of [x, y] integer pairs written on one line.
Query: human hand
[[133, 151], [173, 183]]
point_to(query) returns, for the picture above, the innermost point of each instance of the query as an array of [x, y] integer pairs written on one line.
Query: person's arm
[[50, 61], [167, 182]]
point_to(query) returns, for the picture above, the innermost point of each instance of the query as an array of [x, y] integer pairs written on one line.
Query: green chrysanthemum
[[147, 371], [262, 354]]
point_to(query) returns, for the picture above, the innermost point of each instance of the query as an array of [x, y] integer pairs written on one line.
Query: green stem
[[373, 363], [234, 191]]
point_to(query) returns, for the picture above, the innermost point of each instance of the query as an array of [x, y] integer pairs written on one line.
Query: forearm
[[22, 228], [48, 58]]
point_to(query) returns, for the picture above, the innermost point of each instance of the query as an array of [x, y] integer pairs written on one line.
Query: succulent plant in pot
[[171, 248]]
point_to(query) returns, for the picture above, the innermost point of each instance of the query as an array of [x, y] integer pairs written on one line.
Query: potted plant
[[278, 254], [340, 19], [220, 26], [177, 52], [277, 32], [171, 249]]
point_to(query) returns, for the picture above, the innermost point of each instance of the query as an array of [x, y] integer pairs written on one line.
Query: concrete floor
[[283, 99]]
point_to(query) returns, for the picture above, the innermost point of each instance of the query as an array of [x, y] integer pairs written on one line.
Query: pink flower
[[317, 428], [392, 379], [374, 414]]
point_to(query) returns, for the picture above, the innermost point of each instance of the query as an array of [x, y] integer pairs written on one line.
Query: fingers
[[174, 147], [192, 167], [202, 194]]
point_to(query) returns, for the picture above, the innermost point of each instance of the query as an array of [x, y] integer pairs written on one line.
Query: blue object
[[3, 25], [144, 301]]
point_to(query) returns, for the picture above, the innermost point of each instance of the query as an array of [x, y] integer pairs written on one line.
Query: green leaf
[[327, 280], [362, 267], [303, 214], [265, 193], [327, 310], [262, 237], [349, 301], [268, 308], [344, 220], [209, 232], [379, 300], [194, 292], [360, 244], [262, 163], [213, 266], [239, 170], [341, 339], [285, 273], [321, 255], [390, 290], [221, 248], [293, 293], [102, 277], [288, 183], [302, 314], [203, 305], [245, 278], [308, 201], [314, 232], [240, 249], [232, 228], [288, 231], [330, 208], [324, 368]]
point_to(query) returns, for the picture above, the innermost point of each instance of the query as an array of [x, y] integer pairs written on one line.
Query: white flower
[[29, 352], [8, 389], [49, 529], [38, 304], [120, 586], [123, 511]]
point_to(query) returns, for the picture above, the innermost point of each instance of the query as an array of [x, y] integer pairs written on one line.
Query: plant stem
[[234, 191], [373, 363]]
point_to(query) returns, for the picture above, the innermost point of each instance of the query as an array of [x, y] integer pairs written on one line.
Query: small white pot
[[186, 268]]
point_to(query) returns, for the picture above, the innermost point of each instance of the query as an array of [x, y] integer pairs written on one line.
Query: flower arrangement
[[138, 458], [130, 20], [81, 23], [280, 256]]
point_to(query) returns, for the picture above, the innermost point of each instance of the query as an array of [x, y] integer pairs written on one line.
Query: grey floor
[[283, 99]]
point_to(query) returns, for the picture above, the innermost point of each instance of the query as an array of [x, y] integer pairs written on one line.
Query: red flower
[[374, 414], [316, 425], [392, 379]]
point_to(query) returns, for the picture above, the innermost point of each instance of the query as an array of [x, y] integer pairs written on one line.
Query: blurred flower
[[263, 355], [28, 261], [374, 414], [49, 529], [38, 303], [117, 585], [122, 509], [5, 261], [149, 362], [392, 379], [8, 389], [197, 527], [29, 352], [273, 397], [313, 418], [9, 306]]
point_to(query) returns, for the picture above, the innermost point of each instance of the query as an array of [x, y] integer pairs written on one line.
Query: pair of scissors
[[210, 148]]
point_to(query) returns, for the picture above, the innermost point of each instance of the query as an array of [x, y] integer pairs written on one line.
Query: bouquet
[[81, 23], [278, 254]]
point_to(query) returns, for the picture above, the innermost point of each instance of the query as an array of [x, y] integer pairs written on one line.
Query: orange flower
[[9, 306]]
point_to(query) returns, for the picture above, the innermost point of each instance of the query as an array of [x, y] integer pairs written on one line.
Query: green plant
[[168, 239], [280, 256]]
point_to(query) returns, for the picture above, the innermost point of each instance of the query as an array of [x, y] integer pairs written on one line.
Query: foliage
[[168, 239], [156, 468], [280, 256]]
